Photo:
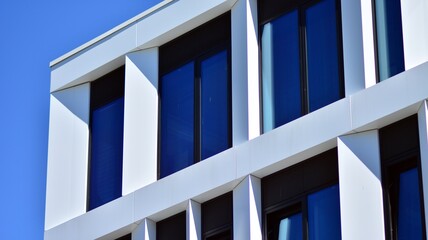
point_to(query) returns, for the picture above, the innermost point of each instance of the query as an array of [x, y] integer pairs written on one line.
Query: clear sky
[[33, 33]]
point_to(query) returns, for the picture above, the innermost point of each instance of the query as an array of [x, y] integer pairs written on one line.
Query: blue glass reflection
[[409, 206], [322, 55], [290, 228], [214, 105], [106, 153], [389, 38], [177, 120], [324, 214], [281, 71]]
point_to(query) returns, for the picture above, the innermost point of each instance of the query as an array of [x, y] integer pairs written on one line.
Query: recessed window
[[301, 58], [106, 134], [302, 201], [217, 218], [389, 38], [126, 237], [403, 200], [195, 101], [172, 228]]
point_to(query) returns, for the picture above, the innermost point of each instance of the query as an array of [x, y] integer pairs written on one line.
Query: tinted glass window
[[290, 228], [324, 214], [177, 120], [214, 105], [409, 206], [106, 153], [390, 53], [281, 71], [322, 55]]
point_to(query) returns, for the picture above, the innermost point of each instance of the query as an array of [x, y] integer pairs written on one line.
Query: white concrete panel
[[245, 72], [368, 43], [353, 51], [414, 15], [193, 220], [95, 61], [391, 100], [247, 209], [146, 230], [174, 190], [360, 186], [423, 143], [296, 141], [67, 155], [140, 120], [109, 218]]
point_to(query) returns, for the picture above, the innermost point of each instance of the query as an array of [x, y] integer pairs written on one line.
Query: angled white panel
[[414, 15], [368, 43], [423, 143], [146, 230], [67, 155], [193, 220], [140, 120], [361, 201], [245, 72], [247, 209]]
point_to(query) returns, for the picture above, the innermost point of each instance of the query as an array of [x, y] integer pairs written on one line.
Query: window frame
[[222, 227], [213, 43], [100, 97], [270, 10], [289, 205]]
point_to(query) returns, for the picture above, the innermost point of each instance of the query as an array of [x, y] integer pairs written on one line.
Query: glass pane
[[106, 153], [389, 38], [322, 54], [281, 71], [324, 214], [177, 120], [214, 105], [409, 206], [290, 228]]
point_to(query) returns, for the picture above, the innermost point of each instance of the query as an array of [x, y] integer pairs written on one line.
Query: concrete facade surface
[[350, 124]]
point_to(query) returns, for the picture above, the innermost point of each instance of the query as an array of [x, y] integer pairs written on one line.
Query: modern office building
[[244, 119]]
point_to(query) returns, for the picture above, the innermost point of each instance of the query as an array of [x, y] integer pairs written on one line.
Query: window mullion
[[305, 225], [303, 61]]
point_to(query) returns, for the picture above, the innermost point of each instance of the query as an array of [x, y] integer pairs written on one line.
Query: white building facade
[[244, 119]]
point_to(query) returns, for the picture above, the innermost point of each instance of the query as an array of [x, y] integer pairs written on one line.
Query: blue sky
[[33, 33]]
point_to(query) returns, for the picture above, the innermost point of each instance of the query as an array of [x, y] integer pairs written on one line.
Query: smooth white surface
[[245, 72], [193, 220], [247, 209], [146, 230], [360, 186], [368, 43], [423, 144], [353, 53], [67, 155], [414, 15], [140, 120]]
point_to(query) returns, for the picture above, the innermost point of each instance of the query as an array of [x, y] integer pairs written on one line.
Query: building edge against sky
[[348, 133]]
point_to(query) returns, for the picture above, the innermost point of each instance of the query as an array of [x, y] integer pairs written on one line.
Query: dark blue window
[[409, 206], [214, 105], [390, 53], [177, 120], [290, 228], [301, 63], [195, 101], [324, 214], [105, 169]]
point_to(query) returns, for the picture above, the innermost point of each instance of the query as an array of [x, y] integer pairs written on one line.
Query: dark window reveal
[[195, 109], [106, 134], [217, 218], [172, 228], [403, 201], [301, 58]]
